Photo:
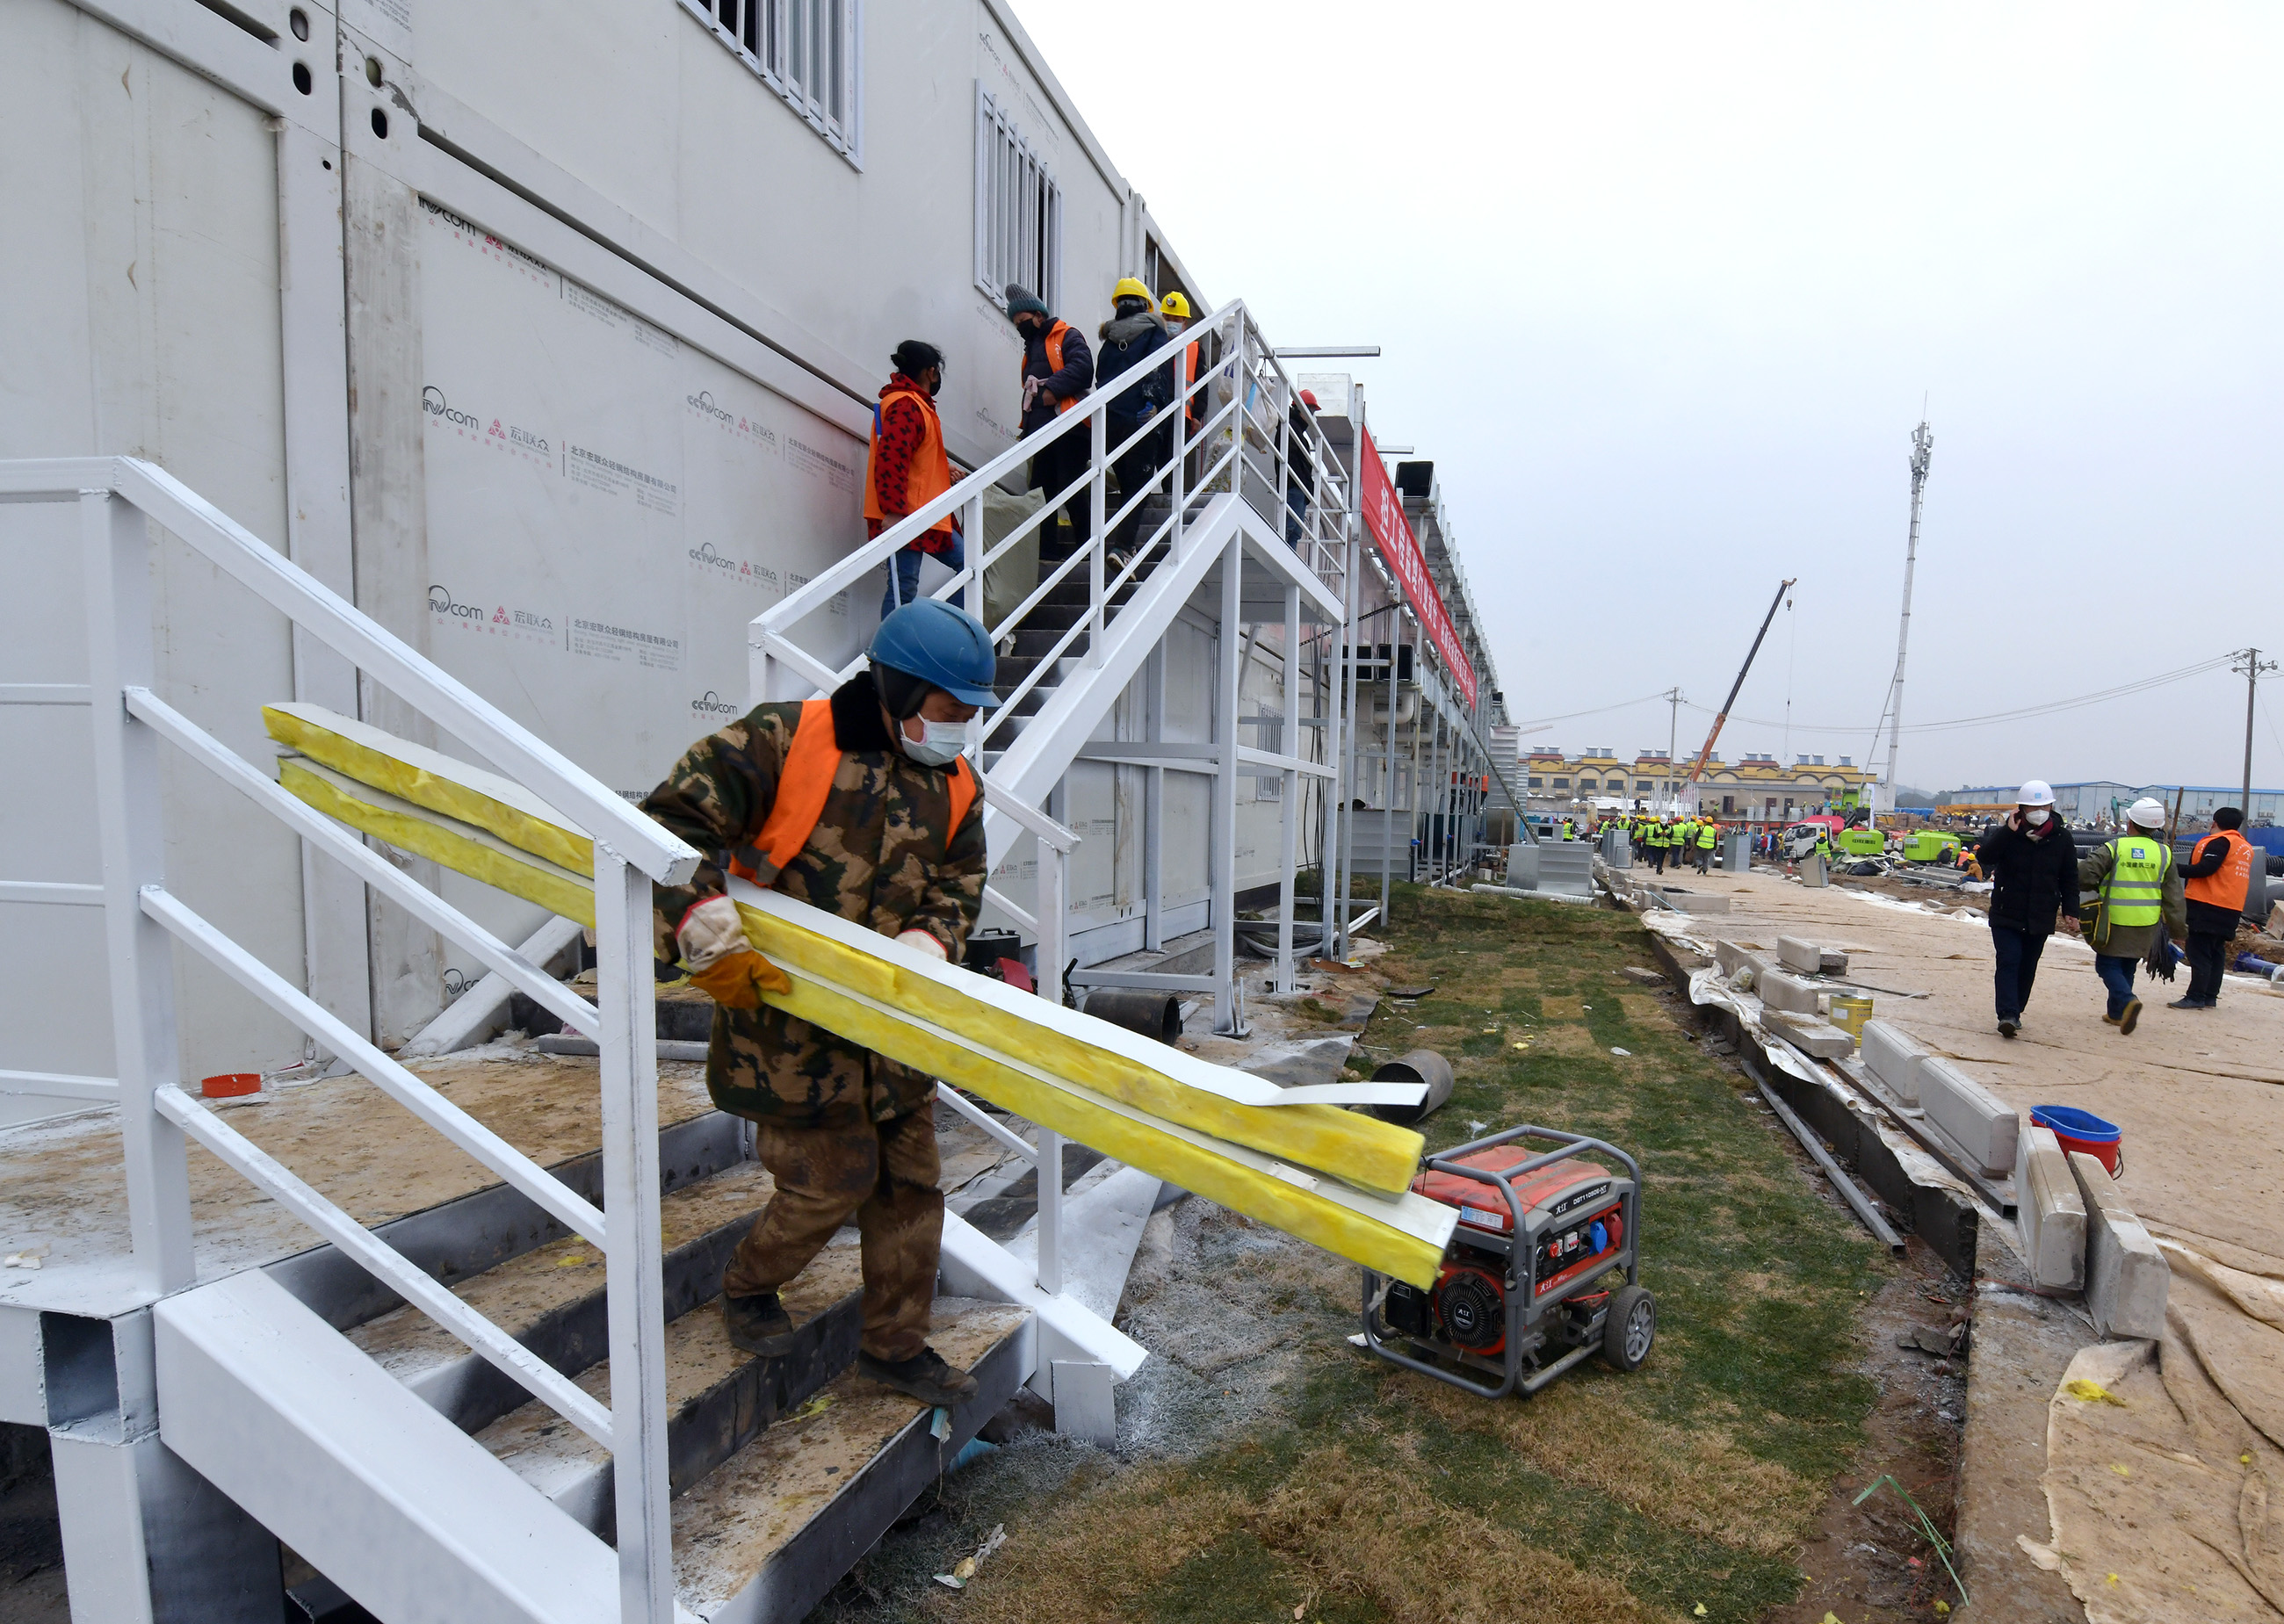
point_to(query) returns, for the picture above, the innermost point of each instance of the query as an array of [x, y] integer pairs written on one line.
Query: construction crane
[[1697, 768]]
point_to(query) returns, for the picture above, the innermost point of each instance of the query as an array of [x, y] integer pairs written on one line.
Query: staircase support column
[[1289, 822], [1153, 806], [1226, 1016]]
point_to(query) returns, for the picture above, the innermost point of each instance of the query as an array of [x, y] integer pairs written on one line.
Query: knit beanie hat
[[1023, 302]]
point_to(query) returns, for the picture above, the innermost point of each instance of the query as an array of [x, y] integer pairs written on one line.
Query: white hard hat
[[2150, 814], [2037, 793]]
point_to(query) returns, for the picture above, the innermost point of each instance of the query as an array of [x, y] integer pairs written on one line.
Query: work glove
[[922, 942], [723, 963]]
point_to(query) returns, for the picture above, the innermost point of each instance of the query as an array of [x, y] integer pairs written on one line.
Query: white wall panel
[[139, 275]]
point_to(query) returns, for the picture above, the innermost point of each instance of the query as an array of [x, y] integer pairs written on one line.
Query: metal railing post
[[972, 546], [1049, 1162], [626, 989], [1176, 484], [1099, 460], [115, 546]]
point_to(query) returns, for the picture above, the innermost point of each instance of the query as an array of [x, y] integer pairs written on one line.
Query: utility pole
[[1672, 739], [1923, 451], [2252, 666]]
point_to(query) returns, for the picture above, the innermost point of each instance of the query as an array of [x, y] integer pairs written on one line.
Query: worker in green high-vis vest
[[2142, 905], [1708, 834]]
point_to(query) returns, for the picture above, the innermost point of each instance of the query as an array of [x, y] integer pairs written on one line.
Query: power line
[[1599, 710], [2026, 712]]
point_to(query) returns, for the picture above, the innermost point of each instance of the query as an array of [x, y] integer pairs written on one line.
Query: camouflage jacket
[[880, 854]]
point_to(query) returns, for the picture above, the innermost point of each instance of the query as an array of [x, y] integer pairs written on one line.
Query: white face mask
[[939, 744], [2035, 816]]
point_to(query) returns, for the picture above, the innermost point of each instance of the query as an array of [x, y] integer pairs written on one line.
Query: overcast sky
[[1661, 290]]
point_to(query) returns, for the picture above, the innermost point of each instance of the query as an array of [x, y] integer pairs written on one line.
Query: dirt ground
[[1267, 1470]]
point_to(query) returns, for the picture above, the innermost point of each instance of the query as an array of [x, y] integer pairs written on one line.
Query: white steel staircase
[[515, 1405], [1212, 539]]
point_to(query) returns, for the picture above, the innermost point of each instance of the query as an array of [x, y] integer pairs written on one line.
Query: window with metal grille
[[1019, 211], [806, 51]]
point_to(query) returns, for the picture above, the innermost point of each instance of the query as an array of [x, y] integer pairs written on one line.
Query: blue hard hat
[[944, 646]]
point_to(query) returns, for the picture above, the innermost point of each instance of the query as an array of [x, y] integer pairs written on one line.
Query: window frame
[[1007, 162], [732, 21]]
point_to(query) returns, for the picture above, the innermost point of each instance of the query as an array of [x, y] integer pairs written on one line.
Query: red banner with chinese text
[[1391, 533]]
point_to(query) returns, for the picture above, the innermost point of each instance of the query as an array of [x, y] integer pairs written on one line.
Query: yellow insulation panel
[[436, 782], [1276, 1201], [463, 851], [1362, 1149]]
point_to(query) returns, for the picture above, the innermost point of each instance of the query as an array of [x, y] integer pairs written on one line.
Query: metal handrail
[[119, 499]]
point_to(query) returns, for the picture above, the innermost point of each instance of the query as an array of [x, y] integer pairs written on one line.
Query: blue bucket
[[2082, 1130]]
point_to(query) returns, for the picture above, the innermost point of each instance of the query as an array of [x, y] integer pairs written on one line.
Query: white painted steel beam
[[468, 1018], [148, 1540], [62, 1085], [411, 1516], [275, 1180], [627, 991], [115, 559], [51, 892], [973, 1265], [553, 1196]]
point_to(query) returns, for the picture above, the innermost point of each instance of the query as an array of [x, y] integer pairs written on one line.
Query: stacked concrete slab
[[2127, 1279], [2050, 1211], [1785, 993], [1894, 1057], [1977, 1121], [1796, 954], [1811, 1035]]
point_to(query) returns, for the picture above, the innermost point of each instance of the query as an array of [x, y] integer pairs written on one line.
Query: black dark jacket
[[1127, 342], [1075, 378], [2030, 880]]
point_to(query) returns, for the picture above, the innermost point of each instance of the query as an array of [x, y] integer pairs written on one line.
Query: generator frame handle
[[1518, 1302]]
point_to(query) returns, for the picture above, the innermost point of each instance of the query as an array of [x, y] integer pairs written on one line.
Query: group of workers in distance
[[1677, 840], [2128, 898]]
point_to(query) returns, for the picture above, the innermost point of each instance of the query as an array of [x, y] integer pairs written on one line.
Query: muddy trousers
[[882, 1174]]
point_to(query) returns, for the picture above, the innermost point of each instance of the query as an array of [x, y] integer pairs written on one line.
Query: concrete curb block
[[2052, 1213], [1977, 1121], [2127, 1279], [1945, 1219]]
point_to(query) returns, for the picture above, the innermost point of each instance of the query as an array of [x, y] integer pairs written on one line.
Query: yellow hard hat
[[1174, 304], [1130, 287]]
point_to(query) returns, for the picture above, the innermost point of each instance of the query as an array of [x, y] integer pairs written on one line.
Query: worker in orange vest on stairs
[[908, 468], [1058, 367], [862, 804]]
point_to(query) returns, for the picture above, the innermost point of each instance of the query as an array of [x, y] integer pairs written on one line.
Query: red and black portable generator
[[1521, 1296]]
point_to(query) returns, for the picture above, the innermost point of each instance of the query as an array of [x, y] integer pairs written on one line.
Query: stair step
[[551, 1300], [768, 1533], [719, 1397]]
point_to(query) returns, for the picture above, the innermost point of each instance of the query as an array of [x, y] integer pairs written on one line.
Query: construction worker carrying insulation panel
[[861, 806]]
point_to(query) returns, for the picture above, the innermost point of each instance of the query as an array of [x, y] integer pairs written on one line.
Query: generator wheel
[[1631, 1328]]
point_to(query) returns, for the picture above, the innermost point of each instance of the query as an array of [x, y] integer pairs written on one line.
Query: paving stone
[[1789, 993], [1820, 1038], [1893, 1056], [1832, 961], [2050, 1212], [1984, 1126], [2127, 1278], [1733, 955], [1796, 953]]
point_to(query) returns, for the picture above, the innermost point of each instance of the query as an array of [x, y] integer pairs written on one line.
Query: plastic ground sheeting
[[1288, 1157]]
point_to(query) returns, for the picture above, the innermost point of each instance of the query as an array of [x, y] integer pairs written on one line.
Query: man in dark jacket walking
[[2032, 864], [1133, 334], [1057, 368]]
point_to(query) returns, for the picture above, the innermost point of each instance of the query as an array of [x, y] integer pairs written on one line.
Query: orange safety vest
[[806, 780], [2232, 883], [930, 475], [1053, 343]]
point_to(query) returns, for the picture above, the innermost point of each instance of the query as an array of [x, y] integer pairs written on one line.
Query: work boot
[[2008, 1025], [2188, 1003], [2111, 1020], [2129, 1018], [757, 1324], [925, 1377]]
